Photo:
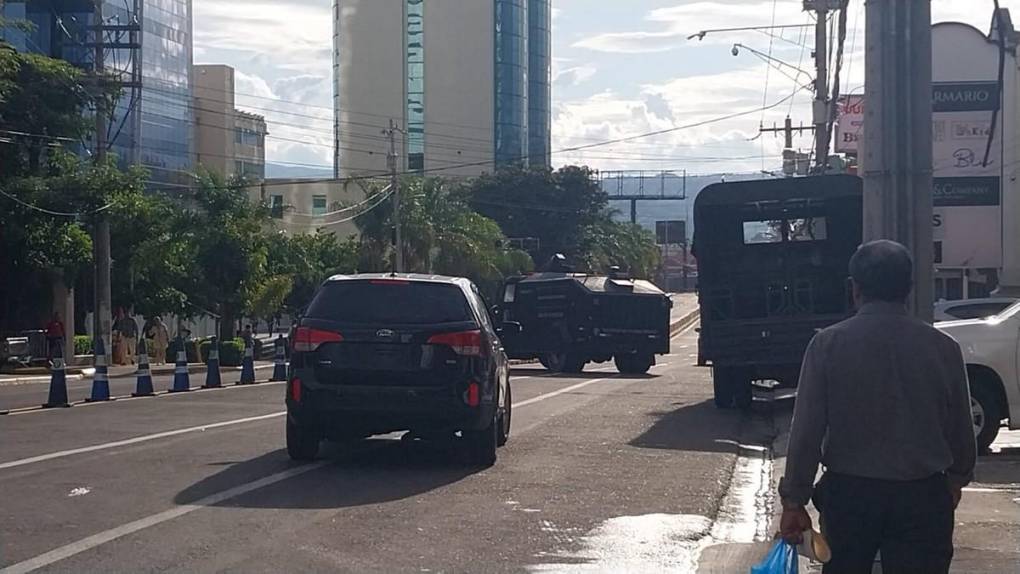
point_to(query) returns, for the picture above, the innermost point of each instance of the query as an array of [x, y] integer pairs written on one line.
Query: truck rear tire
[[634, 363], [732, 388], [563, 362]]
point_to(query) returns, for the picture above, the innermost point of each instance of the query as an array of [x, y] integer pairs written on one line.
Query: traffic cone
[[248, 365], [143, 386], [279, 361], [182, 382], [100, 380], [212, 373], [58, 383]]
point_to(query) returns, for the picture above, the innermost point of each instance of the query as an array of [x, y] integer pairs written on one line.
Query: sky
[[620, 69]]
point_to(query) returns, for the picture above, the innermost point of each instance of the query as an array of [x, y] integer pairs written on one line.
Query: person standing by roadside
[[54, 336], [883, 403], [160, 340], [128, 329]]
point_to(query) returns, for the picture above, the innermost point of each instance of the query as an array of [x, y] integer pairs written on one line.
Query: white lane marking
[[987, 490], [79, 491], [131, 527], [135, 440], [534, 400]]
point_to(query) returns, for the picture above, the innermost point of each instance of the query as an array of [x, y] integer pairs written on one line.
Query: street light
[[701, 35], [736, 52]]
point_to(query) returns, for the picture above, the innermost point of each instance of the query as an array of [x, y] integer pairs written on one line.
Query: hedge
[[231, 352], [82, 345]]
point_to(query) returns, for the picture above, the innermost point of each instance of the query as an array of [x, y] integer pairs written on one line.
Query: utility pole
[[820, 110], [102, 315], [398, 244], [896, 155]]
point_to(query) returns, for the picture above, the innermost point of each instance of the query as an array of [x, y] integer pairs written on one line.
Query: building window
[[276, 206], [250, 170], [318, 205], [248, 137], [415, 67]]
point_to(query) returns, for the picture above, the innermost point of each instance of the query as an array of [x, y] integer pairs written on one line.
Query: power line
[[51, 212]]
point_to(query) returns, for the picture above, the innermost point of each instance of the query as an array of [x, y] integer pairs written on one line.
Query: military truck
[[570, 319], [772, 262]]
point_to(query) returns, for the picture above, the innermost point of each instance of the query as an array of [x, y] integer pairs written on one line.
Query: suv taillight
[[307, 339], [466, 343]]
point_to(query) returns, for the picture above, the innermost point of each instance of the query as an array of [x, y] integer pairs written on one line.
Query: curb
[[684, 322]]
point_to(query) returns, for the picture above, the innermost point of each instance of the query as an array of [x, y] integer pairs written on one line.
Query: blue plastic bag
[[782, 559]]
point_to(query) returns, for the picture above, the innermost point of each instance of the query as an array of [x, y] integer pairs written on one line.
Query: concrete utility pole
[[820, 110], [896, 155], [398, 244], [102, 315]]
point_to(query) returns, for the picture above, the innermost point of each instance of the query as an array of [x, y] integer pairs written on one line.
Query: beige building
[[227, 140], [311, 206], [466, 82]]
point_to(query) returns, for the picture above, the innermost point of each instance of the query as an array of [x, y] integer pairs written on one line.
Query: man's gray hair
[[883, 270]]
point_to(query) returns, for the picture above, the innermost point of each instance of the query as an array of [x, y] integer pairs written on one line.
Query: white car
[[990, 350], [971, 308]]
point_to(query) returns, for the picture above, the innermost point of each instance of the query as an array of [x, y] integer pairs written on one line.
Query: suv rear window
[[390, 301]]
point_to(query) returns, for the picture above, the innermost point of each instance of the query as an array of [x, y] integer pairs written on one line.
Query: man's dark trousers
[[911, 523]]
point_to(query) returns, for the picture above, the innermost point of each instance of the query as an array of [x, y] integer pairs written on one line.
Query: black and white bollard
[[182, 381], [58, 383], [143, 385], [280, 361], [212, 373], [101, 380], [248, 366]]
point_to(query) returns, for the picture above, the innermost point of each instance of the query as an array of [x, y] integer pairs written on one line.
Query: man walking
[[883, 404]]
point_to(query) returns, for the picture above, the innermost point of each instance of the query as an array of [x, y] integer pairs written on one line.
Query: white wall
[[971, 235]]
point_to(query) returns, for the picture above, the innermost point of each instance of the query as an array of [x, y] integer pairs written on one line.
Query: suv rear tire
[[480, 445], [987, 412], [504, 421], [302, 442]]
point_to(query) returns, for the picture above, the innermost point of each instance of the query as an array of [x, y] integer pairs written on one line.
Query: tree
[[442, 234], [552, 206], [267, 298], [308, 260], [224, 248], [628, 246], [45, 101]]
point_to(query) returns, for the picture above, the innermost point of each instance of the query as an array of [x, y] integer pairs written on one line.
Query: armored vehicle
[[772, 263], [570, 319]]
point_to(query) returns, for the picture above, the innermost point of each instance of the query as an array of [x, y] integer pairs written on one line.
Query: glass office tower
[[539, 82], [155, 129]]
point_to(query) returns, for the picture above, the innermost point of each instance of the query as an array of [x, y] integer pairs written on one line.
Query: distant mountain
[[278, 171]]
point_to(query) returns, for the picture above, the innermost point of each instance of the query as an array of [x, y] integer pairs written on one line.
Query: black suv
[[375, 354]]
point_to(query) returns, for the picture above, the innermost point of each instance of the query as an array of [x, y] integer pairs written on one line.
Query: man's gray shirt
[[881, 395]]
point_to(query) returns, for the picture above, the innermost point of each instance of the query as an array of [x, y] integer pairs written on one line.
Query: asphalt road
[[602, 472]]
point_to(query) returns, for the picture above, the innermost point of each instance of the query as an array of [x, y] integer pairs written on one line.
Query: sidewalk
[[117, 372]]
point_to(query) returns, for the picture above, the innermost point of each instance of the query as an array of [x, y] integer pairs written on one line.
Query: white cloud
[[574, 76], [672, 26]]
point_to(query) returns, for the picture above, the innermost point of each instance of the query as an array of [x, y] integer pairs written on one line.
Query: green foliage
[[267, 297], [47, 98], [625, 245], [442, 234], [225, 249], [82, 345], [231, 352], [552, 206], [308, 260]]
